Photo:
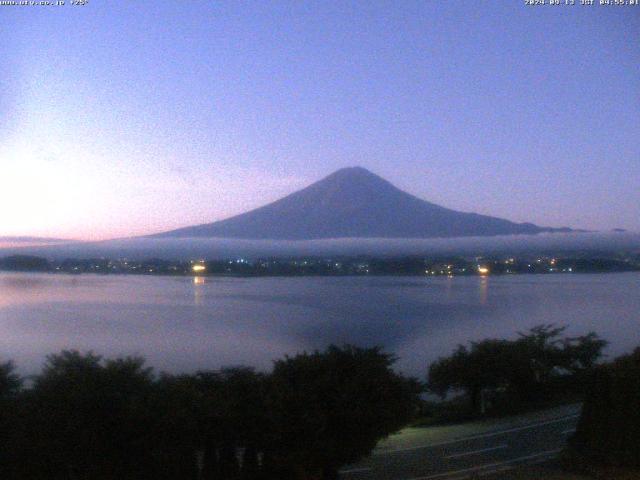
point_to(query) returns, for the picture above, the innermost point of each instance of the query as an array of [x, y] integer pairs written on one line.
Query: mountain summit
[[353, 202]]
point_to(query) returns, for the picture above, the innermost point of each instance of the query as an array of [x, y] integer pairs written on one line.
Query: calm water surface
[[183, 324]]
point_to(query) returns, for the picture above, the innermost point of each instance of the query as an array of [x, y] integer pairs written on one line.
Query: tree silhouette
[[609, 427], [525, 367], [83, 418], [331, 408]]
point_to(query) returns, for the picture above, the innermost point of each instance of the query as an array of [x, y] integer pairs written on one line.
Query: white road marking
[[506, 468], [354, 470], [475, 437], [570, 430], [489, 465], [473, 452]]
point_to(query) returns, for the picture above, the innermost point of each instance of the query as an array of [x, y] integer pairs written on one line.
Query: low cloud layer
[[189, 248]]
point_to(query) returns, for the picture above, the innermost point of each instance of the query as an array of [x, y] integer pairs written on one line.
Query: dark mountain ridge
[[25, 239], [354, 203]]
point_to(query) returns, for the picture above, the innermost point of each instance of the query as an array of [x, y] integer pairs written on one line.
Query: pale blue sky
[[122, 118]]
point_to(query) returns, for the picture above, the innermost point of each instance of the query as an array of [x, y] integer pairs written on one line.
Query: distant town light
[[483, 270], [198, 268]]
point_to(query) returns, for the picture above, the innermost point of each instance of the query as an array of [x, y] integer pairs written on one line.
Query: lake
[[184, 323]]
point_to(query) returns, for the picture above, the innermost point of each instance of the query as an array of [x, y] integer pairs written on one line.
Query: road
[[468, 451]]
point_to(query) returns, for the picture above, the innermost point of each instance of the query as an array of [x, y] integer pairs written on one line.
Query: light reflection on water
[[197, 290], [185, 323], [483, 288]]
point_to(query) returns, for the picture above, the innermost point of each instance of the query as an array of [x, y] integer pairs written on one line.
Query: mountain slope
[[353, 202]]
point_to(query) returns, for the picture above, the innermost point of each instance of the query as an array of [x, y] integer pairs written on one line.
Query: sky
[[127, 118]]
